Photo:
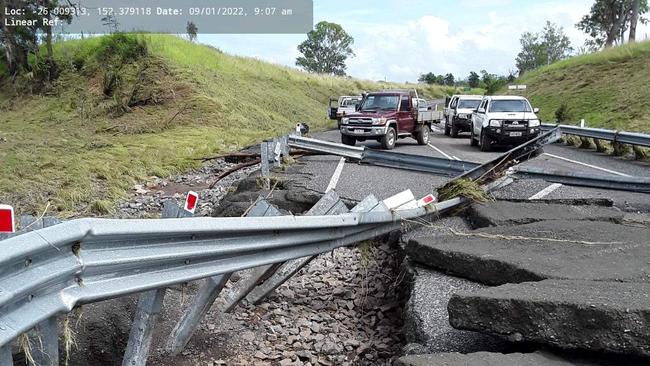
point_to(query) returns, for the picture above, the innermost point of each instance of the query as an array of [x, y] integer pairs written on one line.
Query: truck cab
[[387, 116], [505, 120], [459, 114]]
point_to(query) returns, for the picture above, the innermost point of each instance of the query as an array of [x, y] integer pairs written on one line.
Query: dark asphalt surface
[[357, 180]]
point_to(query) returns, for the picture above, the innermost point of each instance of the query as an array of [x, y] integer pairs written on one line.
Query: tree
[[473, 79], [608, 20], [191, 31], [326, 49], [428, 78], [546, 47], [449, 79], [19, 42]]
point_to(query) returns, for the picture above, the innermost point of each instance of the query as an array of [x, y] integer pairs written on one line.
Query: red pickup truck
[[386, 116]]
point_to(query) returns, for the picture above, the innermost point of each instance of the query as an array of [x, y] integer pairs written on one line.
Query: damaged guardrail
[[621, 183], [420, 163], [49, 271], [623, 137]]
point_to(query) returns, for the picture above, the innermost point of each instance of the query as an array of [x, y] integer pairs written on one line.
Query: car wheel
[[472, 138], [454, 131], [422, 135], [388, 141], [348, 140], [486, 143], [446, 128]]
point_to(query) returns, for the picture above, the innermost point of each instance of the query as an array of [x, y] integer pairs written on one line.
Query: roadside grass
[[608, 89], [69, 146]]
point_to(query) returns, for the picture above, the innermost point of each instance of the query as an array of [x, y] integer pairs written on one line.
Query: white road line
[[335, 177], [455, 158], [441, 152], [544, 192], [587, 165]]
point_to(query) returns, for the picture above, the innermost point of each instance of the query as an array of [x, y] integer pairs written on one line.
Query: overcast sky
[[399, 40]]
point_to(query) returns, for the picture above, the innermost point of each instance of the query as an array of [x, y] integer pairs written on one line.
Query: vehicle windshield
[[349, 102], [469, 103], [380, 102], [514, 105]]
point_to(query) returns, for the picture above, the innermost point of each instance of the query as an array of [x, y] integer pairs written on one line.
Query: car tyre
[[486, 143], [454, 131], [389, 139], [472, 138], [446, 128], [422, 135], [348, 140]]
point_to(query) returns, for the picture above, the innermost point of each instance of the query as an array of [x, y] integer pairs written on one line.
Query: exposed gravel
[[147, 198]]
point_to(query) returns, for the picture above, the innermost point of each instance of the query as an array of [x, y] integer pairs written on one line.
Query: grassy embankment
[[122, 112], [608, 89]]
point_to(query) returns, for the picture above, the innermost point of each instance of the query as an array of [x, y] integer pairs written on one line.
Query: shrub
[[562, 113]]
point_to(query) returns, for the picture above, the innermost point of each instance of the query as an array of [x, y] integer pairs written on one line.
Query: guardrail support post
[[264, 160], [329, 204], [207, 294], [149, 306]]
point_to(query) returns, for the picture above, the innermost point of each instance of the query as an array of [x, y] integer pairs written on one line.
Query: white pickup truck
[[505, 120], [344, 105]]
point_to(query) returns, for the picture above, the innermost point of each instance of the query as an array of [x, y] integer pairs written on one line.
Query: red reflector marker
[[426, 200], [190, 201], [7, 222]]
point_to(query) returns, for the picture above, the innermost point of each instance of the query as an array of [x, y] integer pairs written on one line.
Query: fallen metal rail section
[[632, 184], [420, 163], [623, 137]]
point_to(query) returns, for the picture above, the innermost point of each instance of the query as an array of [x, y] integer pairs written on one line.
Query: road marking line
[[544, 192], [455, 158], [335, 177], [441, 152], [588, 165]]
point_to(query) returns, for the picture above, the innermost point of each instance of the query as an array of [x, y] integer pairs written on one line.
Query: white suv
[[506, 120]]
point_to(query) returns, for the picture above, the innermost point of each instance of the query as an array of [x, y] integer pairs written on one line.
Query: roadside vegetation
[[125, 108], [607, 89]]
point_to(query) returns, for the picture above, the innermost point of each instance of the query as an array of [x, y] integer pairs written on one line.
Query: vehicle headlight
[[379, 121], [345, 120], [533, 123], [495, 123], [463, 116]]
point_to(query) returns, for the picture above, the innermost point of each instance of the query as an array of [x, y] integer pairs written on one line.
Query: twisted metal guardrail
[[49, 271], [631, 138]]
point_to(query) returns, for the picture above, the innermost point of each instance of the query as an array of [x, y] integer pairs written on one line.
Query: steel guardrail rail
[[631, 138], [327, 147], [49, 271], [427, 164], [633, 184]]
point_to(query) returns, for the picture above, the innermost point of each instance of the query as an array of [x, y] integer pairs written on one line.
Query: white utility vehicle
[[505, 120], [344, 105], [459, 114]]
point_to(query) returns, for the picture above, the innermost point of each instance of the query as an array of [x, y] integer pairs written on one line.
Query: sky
[[399, 40]]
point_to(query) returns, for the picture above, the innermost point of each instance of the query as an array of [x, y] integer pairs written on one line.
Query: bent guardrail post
[[207, 293], [329, 204], [290, 268], [148, 310]]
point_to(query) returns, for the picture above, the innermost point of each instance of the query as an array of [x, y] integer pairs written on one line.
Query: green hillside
[[608, 89], [126, 108]]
